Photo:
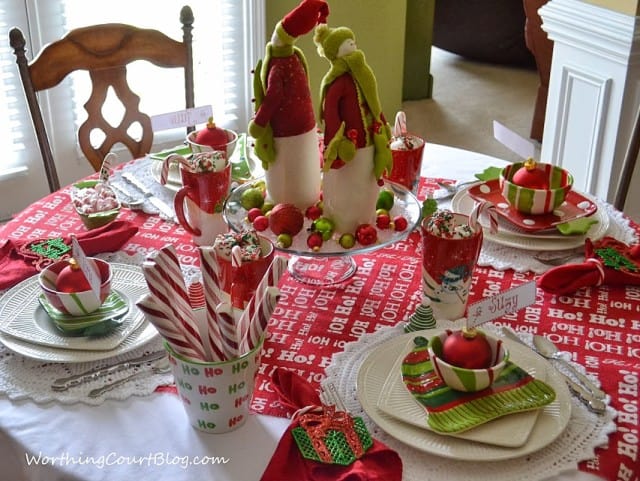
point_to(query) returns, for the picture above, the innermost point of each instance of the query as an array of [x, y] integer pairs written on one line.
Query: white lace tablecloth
[[24, 378], [584, 432]]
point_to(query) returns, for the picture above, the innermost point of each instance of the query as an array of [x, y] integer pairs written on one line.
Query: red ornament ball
[[531, 176], [212, 136], [287, 219], [467, 348], [366, 234], [314, 241], [400, 223], [72, 279], [261, 223]]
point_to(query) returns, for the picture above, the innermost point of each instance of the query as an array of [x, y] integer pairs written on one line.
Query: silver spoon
[[548, 349]]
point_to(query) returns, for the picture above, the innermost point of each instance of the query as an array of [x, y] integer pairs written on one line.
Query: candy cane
[[239, 282], [270, 279], [212, 297], [166, 164], [162, 318], [484, 208], [168, 266], [260, 319], [183, 316], [400, 126], [228, 330]]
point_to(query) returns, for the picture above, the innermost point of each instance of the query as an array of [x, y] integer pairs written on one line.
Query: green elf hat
[[328, 40]]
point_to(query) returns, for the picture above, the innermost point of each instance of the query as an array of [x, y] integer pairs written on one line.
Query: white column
[[594, 91]]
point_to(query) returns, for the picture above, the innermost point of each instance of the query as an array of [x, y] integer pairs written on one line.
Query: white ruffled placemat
[[24, 378], [584, 432]]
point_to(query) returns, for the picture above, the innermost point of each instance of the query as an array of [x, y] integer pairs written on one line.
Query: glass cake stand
[[332, 263]]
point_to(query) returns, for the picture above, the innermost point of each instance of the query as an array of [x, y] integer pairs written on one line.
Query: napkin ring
[[42, 252], [330, 436]]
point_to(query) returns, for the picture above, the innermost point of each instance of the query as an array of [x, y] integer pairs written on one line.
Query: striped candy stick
[[166, 164], [228, 330], [168, 266], [270, 279], [210, 275], [239, 283], [487, 208], [163, 320], [212, 297], [164, 293], [260, 319], [196, 295]]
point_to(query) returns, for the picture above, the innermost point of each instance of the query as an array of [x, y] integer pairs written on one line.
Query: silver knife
[[65, 383], [159, 204]]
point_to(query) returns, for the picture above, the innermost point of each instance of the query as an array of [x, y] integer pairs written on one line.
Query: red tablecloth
[[601, 326]]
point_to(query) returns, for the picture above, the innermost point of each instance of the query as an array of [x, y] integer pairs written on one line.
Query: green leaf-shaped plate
[[453, 411]]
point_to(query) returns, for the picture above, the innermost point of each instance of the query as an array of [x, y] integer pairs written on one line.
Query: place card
[[89, 269], [502, 303], [181, 118]]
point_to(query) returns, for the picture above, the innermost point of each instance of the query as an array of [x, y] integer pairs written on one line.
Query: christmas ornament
[[72, 279], [467, 348], [422, 318], [213, 136], [531, 176], [286, 218]]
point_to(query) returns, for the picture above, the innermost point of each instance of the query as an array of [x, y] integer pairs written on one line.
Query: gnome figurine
[[284, 124], [356, 134]]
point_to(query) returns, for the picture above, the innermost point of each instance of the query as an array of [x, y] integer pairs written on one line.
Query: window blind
[[224, 53]]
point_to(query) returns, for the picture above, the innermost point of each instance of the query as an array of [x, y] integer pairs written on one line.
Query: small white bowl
[[230, 147], [467, 380], [76, 303]]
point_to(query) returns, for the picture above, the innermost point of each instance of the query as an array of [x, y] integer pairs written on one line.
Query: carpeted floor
[[467, 97]]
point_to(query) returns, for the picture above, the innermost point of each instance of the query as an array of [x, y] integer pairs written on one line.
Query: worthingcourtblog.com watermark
[[115, 459]]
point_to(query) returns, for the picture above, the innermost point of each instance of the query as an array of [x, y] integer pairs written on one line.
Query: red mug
[[199, 203], [407, 162], [447, 269], [240, 283]]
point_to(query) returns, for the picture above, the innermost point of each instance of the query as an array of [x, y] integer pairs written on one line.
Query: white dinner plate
[[374, 371], [21, 301], [22, 316], [463, 203], [511, 430]]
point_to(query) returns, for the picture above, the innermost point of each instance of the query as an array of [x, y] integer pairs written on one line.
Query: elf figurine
[[356, 134], [284, 123]]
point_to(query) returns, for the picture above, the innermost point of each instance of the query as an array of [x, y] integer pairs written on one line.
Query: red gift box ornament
[[330, 436]]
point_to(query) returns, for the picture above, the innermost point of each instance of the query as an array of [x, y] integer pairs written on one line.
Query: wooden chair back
[[105, 52]]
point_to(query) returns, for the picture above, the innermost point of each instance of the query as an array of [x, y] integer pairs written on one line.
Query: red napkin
[[18, 262], [608, 261], [379, 463]]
